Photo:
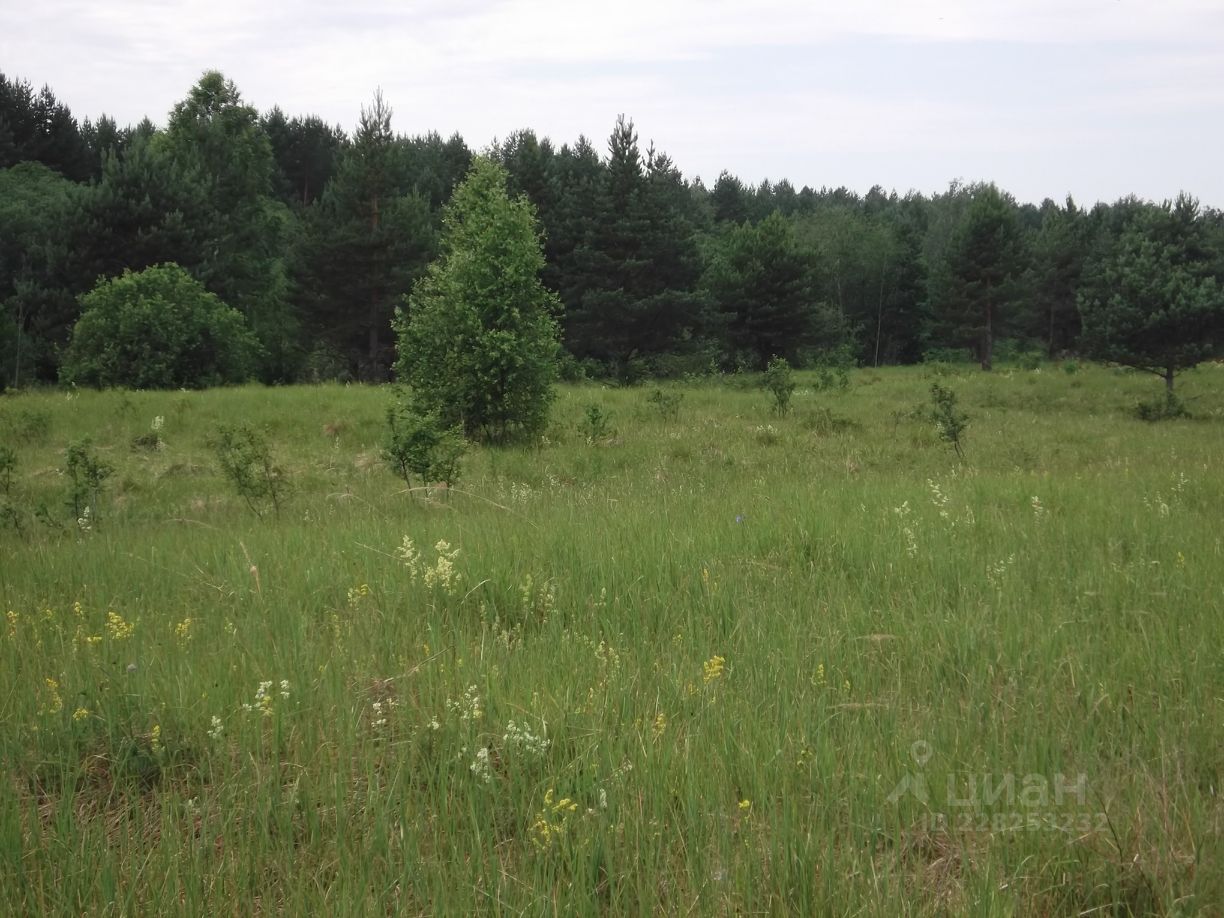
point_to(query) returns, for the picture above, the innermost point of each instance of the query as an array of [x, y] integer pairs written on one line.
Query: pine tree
[[1151, 297], [975, 288], [365, 241], [214, 134], [763, 283], [638, 267]]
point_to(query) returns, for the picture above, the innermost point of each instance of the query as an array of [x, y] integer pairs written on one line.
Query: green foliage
[[779, 382], [596, 424], [631, 293], [1153, 300], [824, 421], [417, 443], [33, 199], [365, 242], [29, 425], [86, 475], [832, 576], [975, 287], [833, 369], [666, 403], [214, 137], [950, 422], [762, 282], [10, 511], [1165, 408], [246, 461], [157, 329], [478, 341]]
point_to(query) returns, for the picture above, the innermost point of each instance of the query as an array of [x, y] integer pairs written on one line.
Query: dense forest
[[315, 235]]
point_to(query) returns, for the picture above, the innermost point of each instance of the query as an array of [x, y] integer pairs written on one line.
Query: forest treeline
[[315, 235]]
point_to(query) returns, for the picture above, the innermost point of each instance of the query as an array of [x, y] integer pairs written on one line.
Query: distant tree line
[[315, 236]]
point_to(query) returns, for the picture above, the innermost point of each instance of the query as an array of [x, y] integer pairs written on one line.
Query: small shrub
[[157, 329], [246, 461], [596, 424], [418, 443], [86, 476], [150, 441], [1071, 367], [667, 404], [8, 465], [949, 422], [1166, 408], [779, 381], [822, 421], [28, 426], [10, 511], [833, 369]]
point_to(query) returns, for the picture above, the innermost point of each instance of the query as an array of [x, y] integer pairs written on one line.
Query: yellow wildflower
[[550, 821], [155, 738], [660, 724], [117, 628], [745, 807], [712, 669], [182, 631], [80, 714], [55, 703]]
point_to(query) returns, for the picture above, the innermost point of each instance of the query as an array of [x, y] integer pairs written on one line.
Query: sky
[[1093, 98]]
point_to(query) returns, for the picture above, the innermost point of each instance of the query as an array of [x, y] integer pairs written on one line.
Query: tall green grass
[[724, 639]]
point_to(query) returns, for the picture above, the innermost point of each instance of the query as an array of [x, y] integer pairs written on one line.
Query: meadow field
[[707, 660]]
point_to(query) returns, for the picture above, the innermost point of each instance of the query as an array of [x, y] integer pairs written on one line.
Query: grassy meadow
[[716, 661]]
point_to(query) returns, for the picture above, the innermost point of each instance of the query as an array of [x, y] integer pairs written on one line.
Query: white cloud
[[569, 66]]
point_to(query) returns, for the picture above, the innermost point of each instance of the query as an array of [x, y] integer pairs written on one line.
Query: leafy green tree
[[215, 135], [478, 341], [146, 209], [1151, 298], [763, 284], [157, 329], [975, 289], [31, 197]]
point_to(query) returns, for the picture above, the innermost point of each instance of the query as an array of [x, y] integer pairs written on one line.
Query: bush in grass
[[950, 421], [667, 404], [596, 424], [86, 474], [1164, 408], [779, 381], [157, 329], [418, 443], [246, 461]]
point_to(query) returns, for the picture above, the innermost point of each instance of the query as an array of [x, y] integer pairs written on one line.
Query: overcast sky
[[1096, 98]]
